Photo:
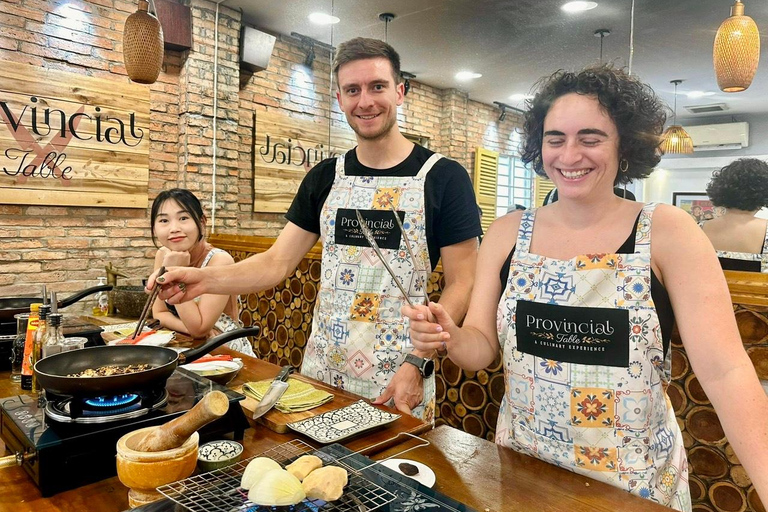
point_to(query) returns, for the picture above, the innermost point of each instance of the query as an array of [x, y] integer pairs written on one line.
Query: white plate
[[425, 476], [339, 424]]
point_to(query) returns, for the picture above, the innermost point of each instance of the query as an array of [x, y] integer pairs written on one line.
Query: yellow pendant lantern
[[675, 139], [737, 51], [143, 45]]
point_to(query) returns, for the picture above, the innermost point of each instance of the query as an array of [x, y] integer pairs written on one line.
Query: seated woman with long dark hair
[[178, 224]]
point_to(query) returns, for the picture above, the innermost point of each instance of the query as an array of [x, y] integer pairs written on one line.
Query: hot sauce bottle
[[27, 364]]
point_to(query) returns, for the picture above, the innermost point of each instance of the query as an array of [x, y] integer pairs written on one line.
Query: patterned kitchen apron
[[585, 370], [747, 256], [359, 337]]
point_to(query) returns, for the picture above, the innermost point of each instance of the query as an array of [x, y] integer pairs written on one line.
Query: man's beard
[[375, 136]]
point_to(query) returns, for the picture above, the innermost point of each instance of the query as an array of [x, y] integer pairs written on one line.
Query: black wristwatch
[[426, 366]]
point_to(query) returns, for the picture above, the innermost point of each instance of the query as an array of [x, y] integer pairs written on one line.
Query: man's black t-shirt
[[451, 210]]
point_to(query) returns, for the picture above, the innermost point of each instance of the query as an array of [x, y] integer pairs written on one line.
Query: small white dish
[[425, 476]]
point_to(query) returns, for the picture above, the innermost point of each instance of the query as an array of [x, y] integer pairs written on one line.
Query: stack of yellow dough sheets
[[300, 396]]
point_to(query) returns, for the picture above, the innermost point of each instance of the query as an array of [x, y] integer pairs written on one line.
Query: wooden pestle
[[173, 434]]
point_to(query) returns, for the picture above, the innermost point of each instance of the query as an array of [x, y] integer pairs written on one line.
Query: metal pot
[[53, 370]]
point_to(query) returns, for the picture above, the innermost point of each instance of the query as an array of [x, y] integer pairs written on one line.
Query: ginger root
[[304, 465], [326, 483]]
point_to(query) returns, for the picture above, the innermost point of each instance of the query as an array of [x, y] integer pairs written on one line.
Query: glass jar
[[17, 351]]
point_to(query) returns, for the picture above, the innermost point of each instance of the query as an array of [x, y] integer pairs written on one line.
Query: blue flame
[[112, 401]]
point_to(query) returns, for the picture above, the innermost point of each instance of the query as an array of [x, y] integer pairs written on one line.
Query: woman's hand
[[176, 259], [431, 326]]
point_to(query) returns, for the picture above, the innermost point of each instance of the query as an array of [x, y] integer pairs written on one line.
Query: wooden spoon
[[173, 434]]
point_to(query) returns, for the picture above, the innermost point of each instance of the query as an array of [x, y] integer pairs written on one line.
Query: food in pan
[[277, 488], [112, 369], [326, 483], [304, 465], [255, 470], [408, 469]]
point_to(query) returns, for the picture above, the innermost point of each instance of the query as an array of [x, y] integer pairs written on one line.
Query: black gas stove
[[66, 443]]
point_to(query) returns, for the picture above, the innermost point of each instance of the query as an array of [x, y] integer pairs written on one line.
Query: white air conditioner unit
[[712, 137]]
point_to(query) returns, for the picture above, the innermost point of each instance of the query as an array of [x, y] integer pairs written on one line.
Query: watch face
[[429, 367]]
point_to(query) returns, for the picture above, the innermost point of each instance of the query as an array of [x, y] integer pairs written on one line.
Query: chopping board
[[277, 421]]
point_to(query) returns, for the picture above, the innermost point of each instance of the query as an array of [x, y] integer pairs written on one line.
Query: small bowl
[[222, 377], [218, 454]]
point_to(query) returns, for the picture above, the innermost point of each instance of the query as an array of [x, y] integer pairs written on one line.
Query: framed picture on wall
[[697, 204]]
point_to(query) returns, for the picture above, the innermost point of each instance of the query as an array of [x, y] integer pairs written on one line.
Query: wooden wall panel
[[284, 145], [72, 140]]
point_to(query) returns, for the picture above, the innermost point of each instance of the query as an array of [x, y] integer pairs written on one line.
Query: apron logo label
[[381, 223], [571, 334]]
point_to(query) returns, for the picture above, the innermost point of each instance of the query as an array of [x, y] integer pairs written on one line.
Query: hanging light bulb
[[737, 51], [675, 139], [143, 45]]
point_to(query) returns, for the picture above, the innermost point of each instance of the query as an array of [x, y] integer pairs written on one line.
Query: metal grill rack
[[219, 490]]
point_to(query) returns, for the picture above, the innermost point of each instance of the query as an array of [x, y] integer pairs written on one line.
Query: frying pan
[[53, 370], [10, 306]]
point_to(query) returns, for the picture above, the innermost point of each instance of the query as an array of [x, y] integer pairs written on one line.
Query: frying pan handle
[[196, 353], [84, 293]]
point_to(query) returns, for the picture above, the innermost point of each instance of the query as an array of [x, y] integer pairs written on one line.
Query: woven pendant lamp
[[675, 139], [143, 45], [737, 51]]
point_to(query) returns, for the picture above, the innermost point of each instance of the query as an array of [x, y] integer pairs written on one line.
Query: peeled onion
[[255, 470], [277, 488]]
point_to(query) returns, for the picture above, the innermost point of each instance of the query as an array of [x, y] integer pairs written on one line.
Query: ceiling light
[[675, 139], [699, 94], [467, 75], [578, 6], [320, 18], [520, 97], [736, 51]]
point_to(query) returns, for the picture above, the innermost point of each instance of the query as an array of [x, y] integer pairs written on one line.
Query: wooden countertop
[[491, 478], [19, 492], [469, 469]]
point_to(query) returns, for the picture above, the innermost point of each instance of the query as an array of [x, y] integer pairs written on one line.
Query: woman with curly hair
[[581, 303], [740, 238]]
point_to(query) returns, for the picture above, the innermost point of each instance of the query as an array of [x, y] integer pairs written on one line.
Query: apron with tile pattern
[[359, 337], [748, 256], [585, 371]]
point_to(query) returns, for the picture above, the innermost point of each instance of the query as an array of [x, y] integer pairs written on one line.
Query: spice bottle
[[29, 342], [102, 301], [40, 335], [54, 341], [17, 351]]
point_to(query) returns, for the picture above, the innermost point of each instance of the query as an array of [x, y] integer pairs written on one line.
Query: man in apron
[[360, 341]]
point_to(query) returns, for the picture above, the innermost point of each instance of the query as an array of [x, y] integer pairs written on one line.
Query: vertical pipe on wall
[[215, 111]]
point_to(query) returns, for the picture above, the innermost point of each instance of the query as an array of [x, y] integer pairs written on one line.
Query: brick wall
[[67, 248]]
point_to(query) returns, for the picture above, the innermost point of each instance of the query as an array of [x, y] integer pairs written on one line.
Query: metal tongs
[[148, 306], [375, 246], [410, 251]]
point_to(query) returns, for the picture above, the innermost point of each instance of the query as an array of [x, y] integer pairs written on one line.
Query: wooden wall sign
[[72, 140], [284, 146]]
